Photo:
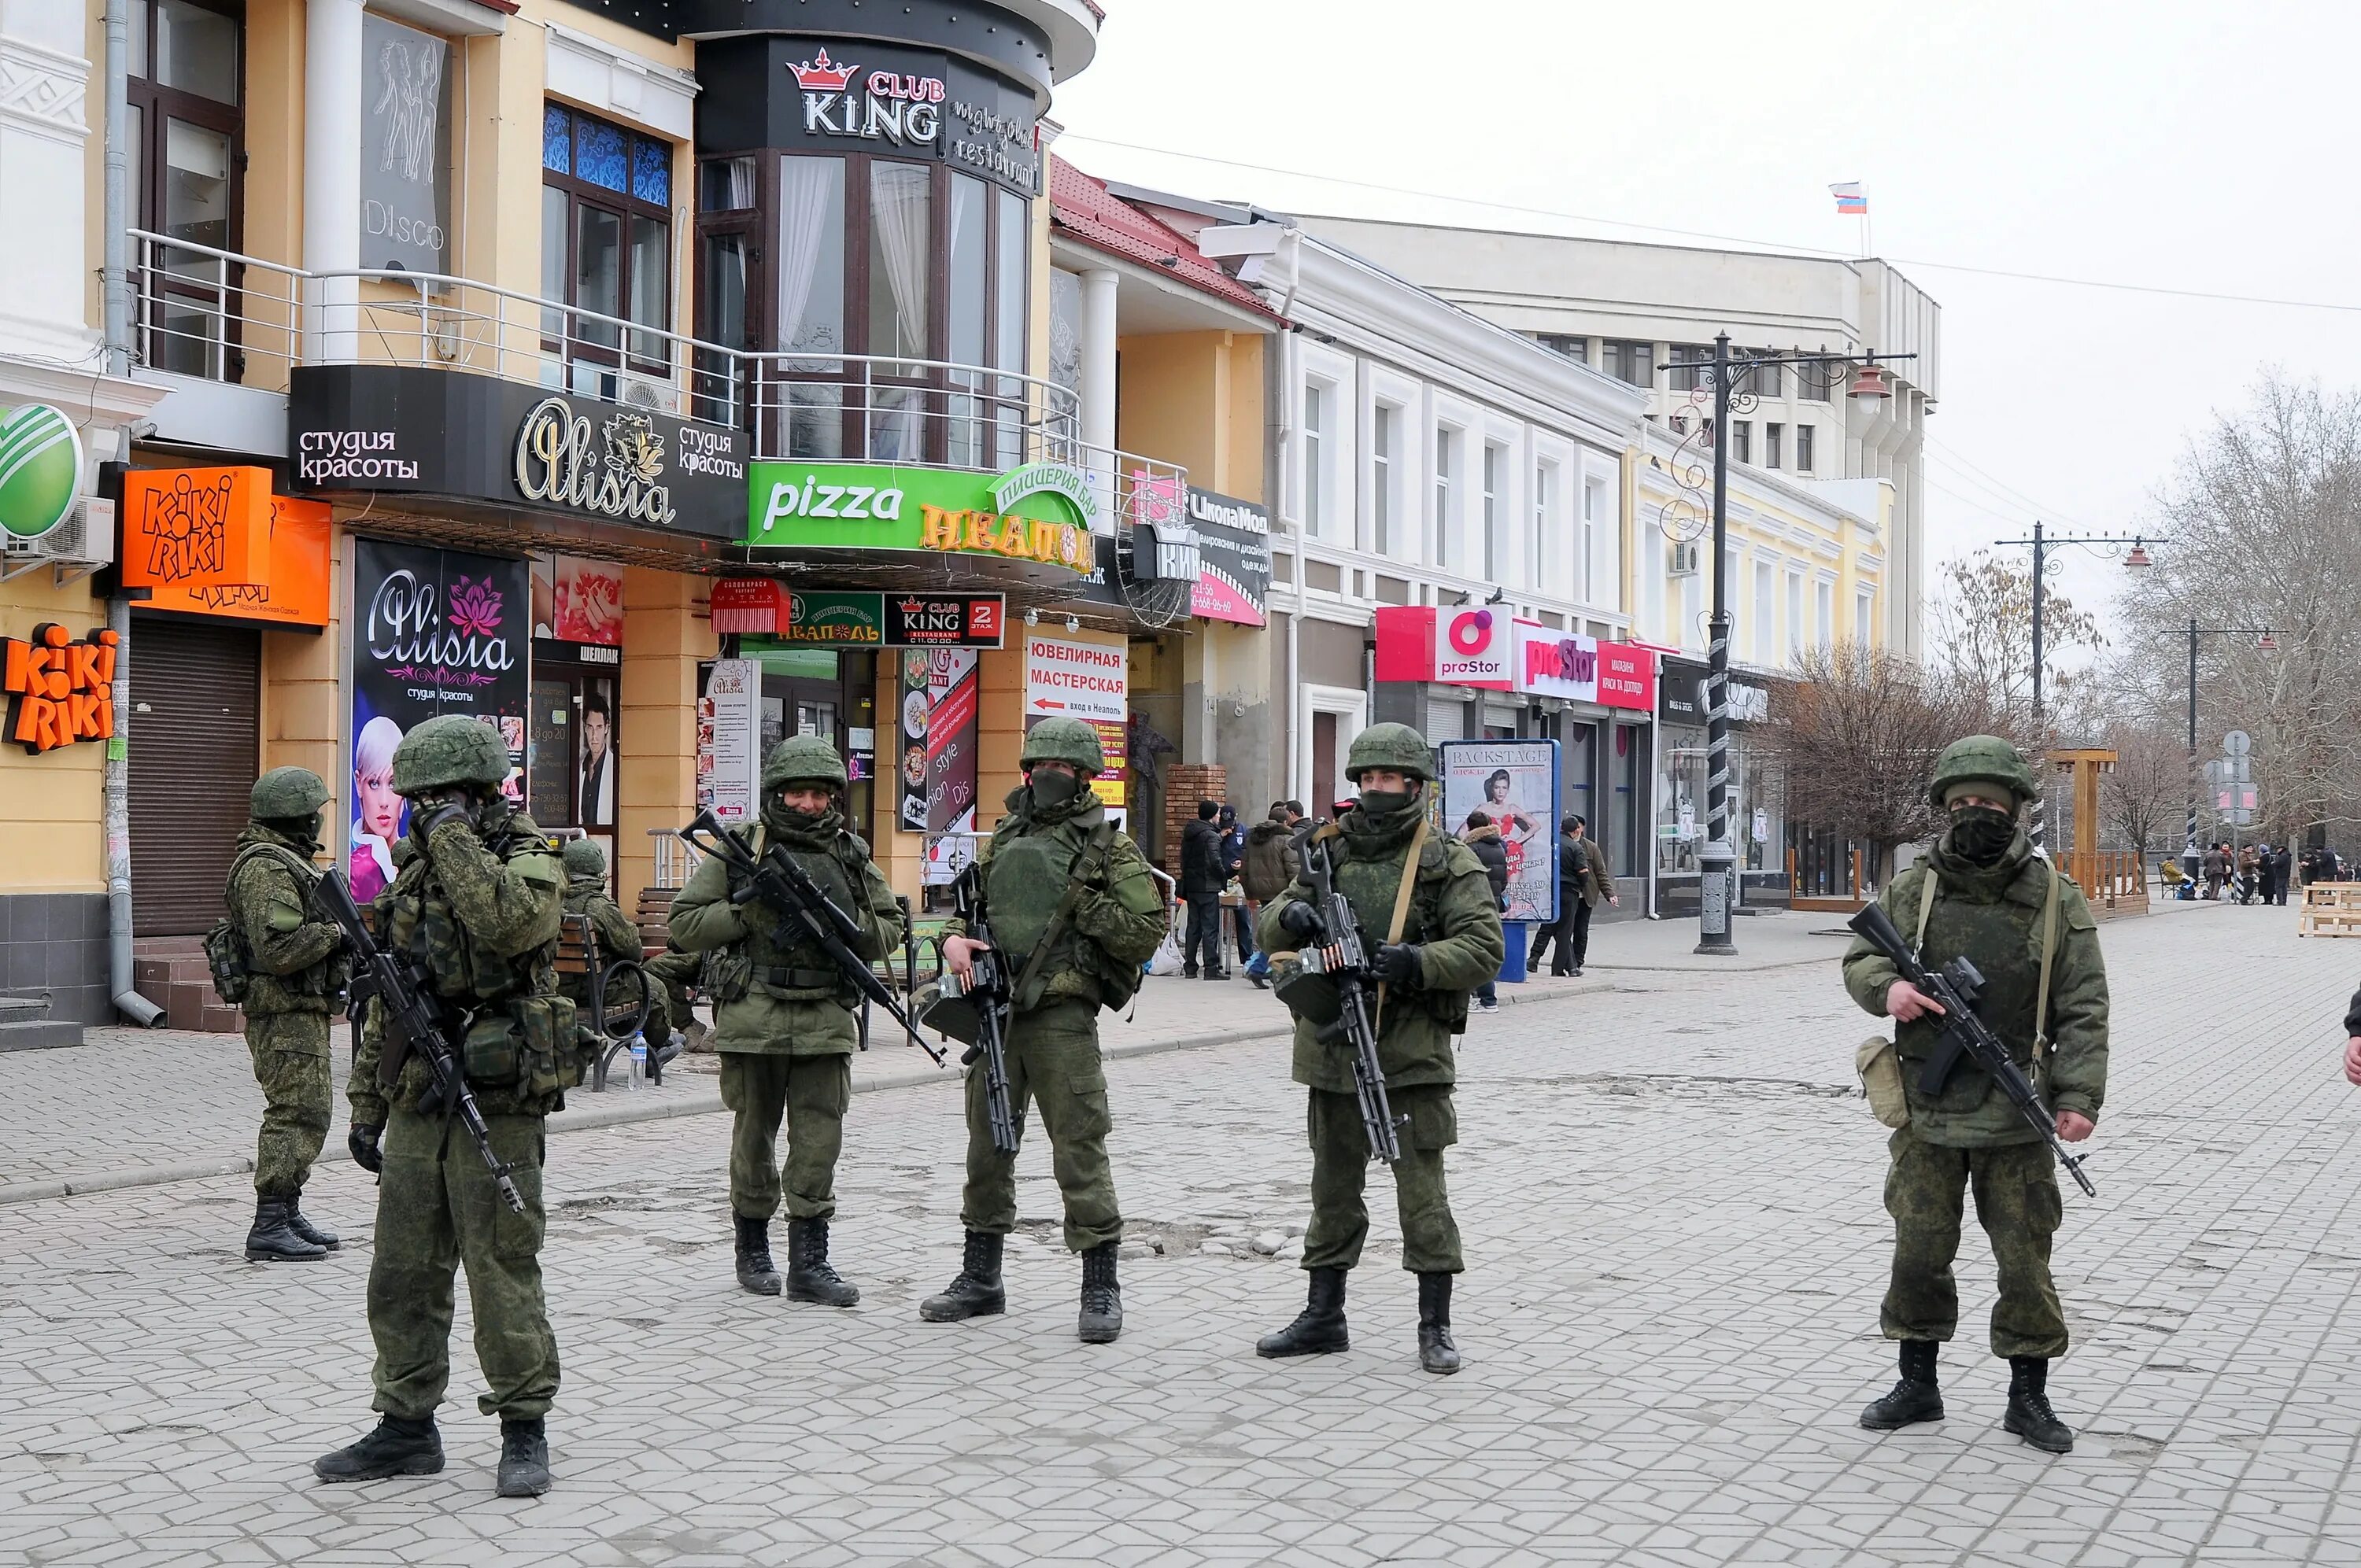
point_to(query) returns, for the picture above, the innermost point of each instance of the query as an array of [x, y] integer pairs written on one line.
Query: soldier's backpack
[[226, 954]]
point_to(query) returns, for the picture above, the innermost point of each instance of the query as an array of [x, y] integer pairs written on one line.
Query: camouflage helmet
[[1981, 759], [286, 793], [1063, 740], [803, 758], [584, 858], [449, 749], [1395, 746]]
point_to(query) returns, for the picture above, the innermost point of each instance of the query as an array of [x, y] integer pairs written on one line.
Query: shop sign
[[1067, 678], [1627, 677], [216, 542], [1233, 559], [59, 691], [728, 752], [578, 601], [435, 631], [40, 469], [414, 431], [914, 103], [405, 109], [905, 110], [820, 616], [1463, 647], [1515, 782], [956, 620], [848, 507], [1550, 662], [1683, 693]]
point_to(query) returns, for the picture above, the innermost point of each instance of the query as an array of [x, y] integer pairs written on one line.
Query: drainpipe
[[1280, 372], [117, 790]]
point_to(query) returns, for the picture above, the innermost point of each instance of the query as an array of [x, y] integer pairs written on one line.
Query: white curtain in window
[[807, 195], [897, 195]]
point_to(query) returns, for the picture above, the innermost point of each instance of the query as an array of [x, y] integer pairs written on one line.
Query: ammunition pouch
[[529, 1047], [941, 1006], [1304, 990]]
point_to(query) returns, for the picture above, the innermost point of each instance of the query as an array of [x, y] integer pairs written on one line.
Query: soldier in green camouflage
[[478, 906], [784, 1016], [1983, 894], [1055, 833], [617, 938], [294, 972], [1449, 943]]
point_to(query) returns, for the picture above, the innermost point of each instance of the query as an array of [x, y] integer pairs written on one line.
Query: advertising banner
[[578, 600], [1627, 677], [853, 618], [1515, 782], [1550, 662], [1066, 677], [1040, 513], [1234, 551], [433, 632], [729, 757], [216, 542], [405, 109], [1467, 646], [941, 709]]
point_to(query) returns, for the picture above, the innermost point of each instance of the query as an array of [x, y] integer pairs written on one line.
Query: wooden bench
[[2330, 909], [579, 958]]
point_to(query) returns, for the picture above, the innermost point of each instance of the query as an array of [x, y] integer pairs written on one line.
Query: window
[[1741, 440], [1794, 616], [1765, 641], [1315, 456], [1865, 615], [1573, 348], [1812, 382], [1496, 544], [1824, 614], [1594, 510], [1545, 485], [1804, 449], [1439, 545], [1766, 378], [1772, 434], [186, 143], [606, 238], [1632, 362], [1382, 476], [1692, 355]]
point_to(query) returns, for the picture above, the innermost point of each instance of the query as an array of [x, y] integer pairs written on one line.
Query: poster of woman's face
[[1514, 782], [377, 810]]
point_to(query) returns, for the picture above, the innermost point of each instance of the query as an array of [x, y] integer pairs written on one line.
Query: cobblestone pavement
[[1672, 1214]]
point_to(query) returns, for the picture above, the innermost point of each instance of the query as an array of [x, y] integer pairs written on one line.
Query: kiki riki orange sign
[[60, 690]]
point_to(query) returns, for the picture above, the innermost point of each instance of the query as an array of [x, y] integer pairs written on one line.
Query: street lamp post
[[2042, 543], [1717, 861], [2188, 860]]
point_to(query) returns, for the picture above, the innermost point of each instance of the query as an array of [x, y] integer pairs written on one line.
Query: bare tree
[[1857, 739], [2142, 800]]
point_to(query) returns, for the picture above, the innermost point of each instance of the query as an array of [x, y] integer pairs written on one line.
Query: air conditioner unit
[[80, 545], [647, 395], [1684, 559]]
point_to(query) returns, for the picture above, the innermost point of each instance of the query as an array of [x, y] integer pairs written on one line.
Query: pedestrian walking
[[1266, 866], [2282, 874], [1429, 951], [1077, 914], [480, 903], [1583, 882], [1980, 893], [1233, 855], [785, 1016], [1201, 880], [2249, 870], [286, 969], [1482, 836], [2217, 869]]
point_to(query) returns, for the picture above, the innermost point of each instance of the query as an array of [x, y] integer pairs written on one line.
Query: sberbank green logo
[[40, 469]]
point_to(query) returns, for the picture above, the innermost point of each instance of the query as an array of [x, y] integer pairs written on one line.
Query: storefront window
[[606, 238], [1680, 798]]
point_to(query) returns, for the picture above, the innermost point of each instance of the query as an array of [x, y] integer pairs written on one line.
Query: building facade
[[1630, 310]]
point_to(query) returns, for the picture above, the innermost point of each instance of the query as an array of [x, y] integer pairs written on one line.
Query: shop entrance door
[[796, 704], [196, 742]]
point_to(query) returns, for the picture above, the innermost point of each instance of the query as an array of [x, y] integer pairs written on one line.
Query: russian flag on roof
[[1851, 198]]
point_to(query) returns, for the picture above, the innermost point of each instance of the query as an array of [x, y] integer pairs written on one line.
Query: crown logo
[[913, 606], [822, 75]]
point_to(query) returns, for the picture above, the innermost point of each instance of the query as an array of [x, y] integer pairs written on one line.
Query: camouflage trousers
[[1340, 1173], [437, 1211], [809, 1093], [2016, 1203], [1053, 1056], [290, 1064], [673, 973]]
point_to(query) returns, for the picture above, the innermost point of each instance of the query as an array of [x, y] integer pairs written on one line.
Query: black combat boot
[[755, 1271], [274, 1239], [2029, 1415], [525, 1458], [974, 1291], [810, 1276], [307, 1230], [1319, 1329], [1102, 1319], [393, 1447], [1436, 1351], [1915, 1397]]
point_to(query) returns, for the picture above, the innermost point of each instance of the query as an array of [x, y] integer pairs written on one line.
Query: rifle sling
[[1401, 912]]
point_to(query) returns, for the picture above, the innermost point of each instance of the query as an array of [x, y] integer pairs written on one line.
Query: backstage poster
[[436, 631], [1515, 784]]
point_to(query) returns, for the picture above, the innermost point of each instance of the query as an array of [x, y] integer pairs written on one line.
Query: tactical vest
[[800, 971], [1371, 885], [418, 920], [1025, 879]]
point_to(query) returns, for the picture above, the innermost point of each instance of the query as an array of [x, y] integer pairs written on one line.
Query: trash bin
[[1512, 967]]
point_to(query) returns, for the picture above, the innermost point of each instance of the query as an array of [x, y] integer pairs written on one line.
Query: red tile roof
[[1084, 209]]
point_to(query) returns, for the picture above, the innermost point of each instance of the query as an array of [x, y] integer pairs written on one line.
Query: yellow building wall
[[1195, 399], [303, 713], [667, 628], [51, 806]]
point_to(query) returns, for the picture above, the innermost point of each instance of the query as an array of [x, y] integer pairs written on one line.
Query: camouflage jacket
[[293, 959], [1116, 925], [483, 918]]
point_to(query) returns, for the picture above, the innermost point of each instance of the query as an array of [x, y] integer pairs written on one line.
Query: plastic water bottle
[[638, 1075]]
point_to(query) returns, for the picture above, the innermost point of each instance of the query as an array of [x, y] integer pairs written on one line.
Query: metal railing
[[221, 317]]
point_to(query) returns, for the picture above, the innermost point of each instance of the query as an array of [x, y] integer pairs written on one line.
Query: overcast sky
[[2176, 145]]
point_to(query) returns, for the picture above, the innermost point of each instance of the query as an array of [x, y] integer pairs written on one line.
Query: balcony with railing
[[211, 318]]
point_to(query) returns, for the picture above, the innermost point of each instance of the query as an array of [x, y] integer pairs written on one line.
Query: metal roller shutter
[[1445, 720], [196, 732]]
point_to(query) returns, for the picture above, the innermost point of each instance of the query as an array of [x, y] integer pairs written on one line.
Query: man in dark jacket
[[1583, 880], [2282, 874], [1233, 860], [1268, 866], [1201, 879], [1485, 840]]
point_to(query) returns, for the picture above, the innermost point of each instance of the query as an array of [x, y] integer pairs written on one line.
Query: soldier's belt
[[790, 979]]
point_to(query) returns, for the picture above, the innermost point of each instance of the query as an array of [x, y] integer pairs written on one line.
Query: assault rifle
[[1343, 956], [807, 916], [1955, 988], [977, 1009], [415, 1022]]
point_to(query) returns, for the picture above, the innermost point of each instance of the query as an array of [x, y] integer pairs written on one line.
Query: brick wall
[[1184, 785]]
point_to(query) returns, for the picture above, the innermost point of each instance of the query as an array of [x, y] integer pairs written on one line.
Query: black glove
[[362, 1142], [1301, 921], [1398, 964], [426, 815]]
